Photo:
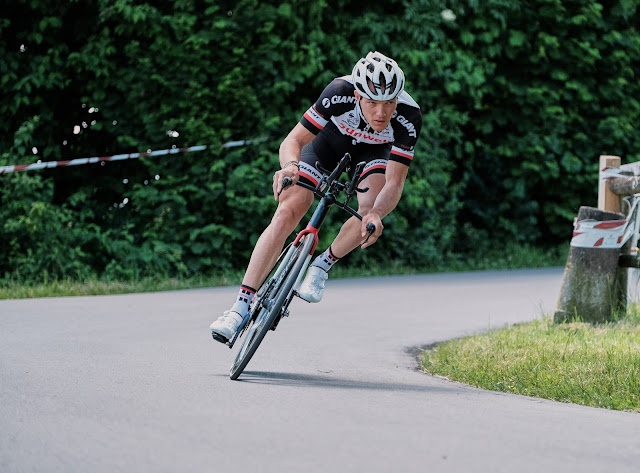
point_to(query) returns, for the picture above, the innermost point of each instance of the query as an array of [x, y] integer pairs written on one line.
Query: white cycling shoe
[[312, 288], [223, 329]]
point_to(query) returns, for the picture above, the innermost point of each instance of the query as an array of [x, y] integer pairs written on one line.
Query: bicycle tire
[[263, 321]]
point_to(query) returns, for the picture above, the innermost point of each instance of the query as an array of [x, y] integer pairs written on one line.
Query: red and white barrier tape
[[93, 160], [608, 233], [601, 234], [626, 170]]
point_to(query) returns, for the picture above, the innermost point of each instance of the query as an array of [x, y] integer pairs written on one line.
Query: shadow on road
[[326, 380]]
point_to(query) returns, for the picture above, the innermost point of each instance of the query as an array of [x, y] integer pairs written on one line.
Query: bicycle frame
[[328, 198]]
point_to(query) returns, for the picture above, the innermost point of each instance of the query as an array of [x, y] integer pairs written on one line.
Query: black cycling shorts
[[375, 157]]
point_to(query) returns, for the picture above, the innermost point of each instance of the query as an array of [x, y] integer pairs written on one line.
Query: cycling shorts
[[375, 157]]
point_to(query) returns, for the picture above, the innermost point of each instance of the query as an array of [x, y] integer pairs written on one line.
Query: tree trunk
[[593, 286], [625, 185]]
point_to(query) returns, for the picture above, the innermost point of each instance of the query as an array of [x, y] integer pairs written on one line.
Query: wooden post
[[594, 285], [607, 200]]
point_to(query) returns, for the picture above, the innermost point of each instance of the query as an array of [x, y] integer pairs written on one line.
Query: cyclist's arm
[[292, 145], [387, 200], [290, 150]]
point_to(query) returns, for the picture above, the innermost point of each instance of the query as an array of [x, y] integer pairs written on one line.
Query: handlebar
[[349, 187], [342, 165], [353, 185], [332, 183]]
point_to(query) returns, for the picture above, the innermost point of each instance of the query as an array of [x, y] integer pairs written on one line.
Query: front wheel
[[269, 305]]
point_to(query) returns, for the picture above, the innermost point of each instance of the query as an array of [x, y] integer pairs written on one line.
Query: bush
[[518, 98]]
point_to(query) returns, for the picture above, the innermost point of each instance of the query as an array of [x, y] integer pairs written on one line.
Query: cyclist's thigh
[[375, 183], [295, 201], [309, 159]]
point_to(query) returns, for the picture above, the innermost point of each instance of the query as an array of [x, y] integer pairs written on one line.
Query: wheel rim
[[256, 331]]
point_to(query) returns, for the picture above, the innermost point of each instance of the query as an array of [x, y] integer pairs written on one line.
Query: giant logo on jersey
[[336, 99], [408, 125]]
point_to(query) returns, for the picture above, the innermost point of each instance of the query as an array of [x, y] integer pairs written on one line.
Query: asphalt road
[[134, 383]]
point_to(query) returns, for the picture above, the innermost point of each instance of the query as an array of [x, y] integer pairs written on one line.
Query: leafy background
[[519, 100]]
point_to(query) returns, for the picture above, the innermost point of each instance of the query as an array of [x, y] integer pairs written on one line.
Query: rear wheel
[[270, 303]]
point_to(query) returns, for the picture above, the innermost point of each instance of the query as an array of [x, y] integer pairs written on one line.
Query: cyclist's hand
[[370, 239], [291, 172]]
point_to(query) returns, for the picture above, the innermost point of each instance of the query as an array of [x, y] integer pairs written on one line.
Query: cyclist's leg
[[349, 237], [294, 204]]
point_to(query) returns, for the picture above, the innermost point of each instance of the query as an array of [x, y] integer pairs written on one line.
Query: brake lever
[[286, 182], [320, 168], [356, 178], [370, 229]]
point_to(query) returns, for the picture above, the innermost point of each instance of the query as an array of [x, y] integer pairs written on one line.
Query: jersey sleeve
[[317, 116], [407, 127]]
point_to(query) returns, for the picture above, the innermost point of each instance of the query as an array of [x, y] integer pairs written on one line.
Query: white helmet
[[378, 77]]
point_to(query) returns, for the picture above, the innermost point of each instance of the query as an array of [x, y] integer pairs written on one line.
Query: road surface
[[134, 383]]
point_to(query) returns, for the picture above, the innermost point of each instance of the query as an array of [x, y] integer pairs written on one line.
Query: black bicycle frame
[[328, 198]]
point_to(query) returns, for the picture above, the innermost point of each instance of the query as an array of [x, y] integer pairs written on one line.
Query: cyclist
[[367, 114]]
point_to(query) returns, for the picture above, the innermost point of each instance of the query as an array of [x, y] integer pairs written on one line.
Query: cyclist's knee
[[367, 200], [365, 207], [284, 219], [289, 214]]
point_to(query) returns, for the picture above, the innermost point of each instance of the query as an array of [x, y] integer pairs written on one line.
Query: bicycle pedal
[[219, 338]]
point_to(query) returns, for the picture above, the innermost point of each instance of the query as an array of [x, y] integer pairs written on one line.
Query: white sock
[[245, 296], [326, 260]]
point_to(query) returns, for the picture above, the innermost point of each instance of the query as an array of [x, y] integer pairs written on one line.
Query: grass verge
[[580, 363], [96, 287], [513, 257]]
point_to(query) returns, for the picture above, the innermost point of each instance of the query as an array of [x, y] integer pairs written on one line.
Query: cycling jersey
[[339, 126]]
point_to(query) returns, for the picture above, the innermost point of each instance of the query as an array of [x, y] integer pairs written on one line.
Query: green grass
[[591, 365], [513, 257], [95, 287]]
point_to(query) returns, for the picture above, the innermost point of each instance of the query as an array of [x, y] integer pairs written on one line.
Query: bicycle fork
[[284, 311]]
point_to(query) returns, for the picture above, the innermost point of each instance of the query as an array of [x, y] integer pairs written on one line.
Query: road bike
[[272, 300]]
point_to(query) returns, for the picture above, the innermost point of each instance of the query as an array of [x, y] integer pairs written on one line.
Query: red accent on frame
[[310, 230]]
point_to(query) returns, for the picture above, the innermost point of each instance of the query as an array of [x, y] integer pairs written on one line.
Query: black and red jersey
[[335, 117]]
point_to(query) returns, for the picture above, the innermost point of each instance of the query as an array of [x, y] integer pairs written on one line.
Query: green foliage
[[518, 98]]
